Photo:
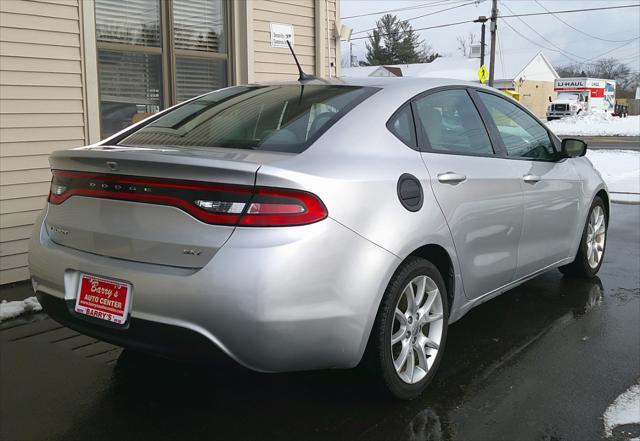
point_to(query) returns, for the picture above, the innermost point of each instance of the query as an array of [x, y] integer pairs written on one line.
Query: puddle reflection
[[158, 395], [425, 426]]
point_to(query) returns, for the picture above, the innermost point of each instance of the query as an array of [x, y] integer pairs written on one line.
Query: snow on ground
[[596, 124], [624, 410], [9, 310], [620, 169]]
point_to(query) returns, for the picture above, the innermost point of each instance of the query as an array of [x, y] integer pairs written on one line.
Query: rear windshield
[[283, 118]]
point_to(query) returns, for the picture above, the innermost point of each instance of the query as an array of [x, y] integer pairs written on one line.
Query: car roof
[[398, 84]]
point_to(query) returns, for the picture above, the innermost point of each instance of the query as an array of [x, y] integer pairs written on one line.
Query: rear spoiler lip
[[230, 168]]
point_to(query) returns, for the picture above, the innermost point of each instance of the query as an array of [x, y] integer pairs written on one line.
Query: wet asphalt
[[541, 362]]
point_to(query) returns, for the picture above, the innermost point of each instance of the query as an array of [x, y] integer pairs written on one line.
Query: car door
[[478, 192], [549, 182]]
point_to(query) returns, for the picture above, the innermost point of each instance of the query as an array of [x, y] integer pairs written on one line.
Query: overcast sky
[[620, 25]]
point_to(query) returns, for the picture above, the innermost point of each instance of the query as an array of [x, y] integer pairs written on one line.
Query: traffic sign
[[483, 74]]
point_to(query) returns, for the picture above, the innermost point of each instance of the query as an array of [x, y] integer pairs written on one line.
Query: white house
[[528, 75]]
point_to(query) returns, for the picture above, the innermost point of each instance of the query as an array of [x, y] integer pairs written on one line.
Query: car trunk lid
[[153, 205]]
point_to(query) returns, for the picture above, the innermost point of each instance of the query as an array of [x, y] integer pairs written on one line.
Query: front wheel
[[408, 338], [592, 243]]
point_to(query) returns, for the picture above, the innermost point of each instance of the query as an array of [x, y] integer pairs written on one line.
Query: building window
[[200, 47], [156, 53]]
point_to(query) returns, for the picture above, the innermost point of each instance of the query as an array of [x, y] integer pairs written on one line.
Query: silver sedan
[[314, 224]]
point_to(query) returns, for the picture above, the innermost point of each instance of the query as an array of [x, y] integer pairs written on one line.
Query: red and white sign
[[595, 86], [102, 298], [595, 92]]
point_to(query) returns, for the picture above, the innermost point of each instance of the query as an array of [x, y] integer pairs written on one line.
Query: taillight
[[272, 207], [220, 204]]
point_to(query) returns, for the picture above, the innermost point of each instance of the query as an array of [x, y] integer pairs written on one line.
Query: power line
[[499, 51], [586, 61], [564, 52], [423, 15], [422, 29], [567, 11], [537, 44], [576, 29], [615, 49], [629, 57], [406, 8]]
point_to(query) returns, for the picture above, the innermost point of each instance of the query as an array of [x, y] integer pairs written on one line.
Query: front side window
[[522, 135], [450, 122], [286, 118]]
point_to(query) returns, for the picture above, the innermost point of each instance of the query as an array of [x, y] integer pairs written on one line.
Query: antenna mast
[[303, 76]]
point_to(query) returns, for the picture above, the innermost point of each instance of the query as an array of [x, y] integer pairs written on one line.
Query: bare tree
[[627, 87], [607, 68], [465, 42], [611, 68]]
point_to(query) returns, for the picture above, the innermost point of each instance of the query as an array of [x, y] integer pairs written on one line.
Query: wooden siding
[[276, 64], [41, 110], [44, 90]]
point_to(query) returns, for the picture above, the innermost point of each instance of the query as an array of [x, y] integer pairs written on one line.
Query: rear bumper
[[277, 299], [143, 335]]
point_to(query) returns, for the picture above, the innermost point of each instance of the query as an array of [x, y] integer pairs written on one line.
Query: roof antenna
[[303, 76]]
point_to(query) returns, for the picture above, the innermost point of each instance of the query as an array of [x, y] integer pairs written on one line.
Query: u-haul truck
[[578, 95]]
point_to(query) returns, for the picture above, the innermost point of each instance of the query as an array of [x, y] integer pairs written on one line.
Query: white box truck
[[578, 95]]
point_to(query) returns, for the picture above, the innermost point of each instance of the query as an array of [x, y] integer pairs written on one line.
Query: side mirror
[[550, 100], [573, 148], [586, 98]]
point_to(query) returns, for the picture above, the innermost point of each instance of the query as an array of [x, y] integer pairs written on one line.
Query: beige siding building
[[75, 71]]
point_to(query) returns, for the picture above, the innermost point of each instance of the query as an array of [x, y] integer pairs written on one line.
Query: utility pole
[[482, 19], [350, 54], [493, 29]]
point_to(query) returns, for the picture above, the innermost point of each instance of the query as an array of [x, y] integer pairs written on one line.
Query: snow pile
[[620, 169], [624, 410], [596, 124], [10, 310]]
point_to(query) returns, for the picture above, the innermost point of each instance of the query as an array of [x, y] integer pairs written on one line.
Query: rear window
[[283, 118]]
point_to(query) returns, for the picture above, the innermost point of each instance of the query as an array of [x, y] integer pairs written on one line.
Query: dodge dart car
[[314, 224]]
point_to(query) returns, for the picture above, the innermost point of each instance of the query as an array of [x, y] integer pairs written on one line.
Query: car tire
[[424, 325], [586, 264]]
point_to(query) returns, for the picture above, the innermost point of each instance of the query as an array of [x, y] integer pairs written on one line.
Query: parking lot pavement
[[542, 362]]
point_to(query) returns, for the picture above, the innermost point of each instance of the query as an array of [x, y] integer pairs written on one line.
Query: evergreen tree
[[394, 41]]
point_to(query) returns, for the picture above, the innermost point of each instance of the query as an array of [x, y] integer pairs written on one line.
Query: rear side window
[[522, 135], [285, 118], [401, 125], [451, 123]]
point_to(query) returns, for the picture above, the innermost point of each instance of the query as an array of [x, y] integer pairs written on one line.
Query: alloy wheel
[[416, 330], [596, 235]]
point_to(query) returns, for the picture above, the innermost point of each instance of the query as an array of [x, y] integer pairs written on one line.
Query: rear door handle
[[530, 178], [451, 177]]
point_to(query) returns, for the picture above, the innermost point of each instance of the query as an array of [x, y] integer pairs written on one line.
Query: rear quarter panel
[[354, 168], [591, 184]]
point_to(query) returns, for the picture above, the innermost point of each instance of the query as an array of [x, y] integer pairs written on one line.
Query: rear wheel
[[410, 331], [592, 244]]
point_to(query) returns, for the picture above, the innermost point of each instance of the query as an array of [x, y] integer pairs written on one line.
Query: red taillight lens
[[274, 207], [220, 204]]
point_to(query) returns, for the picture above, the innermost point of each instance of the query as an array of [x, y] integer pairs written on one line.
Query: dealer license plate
[[104, 299]]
